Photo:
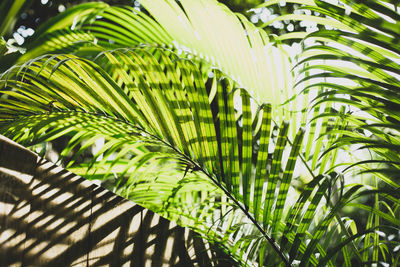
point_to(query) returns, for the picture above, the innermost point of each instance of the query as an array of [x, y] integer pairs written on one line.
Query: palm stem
[[272, 242], [342, 226]]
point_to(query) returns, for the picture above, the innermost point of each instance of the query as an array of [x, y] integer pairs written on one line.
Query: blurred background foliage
[[35, 12]]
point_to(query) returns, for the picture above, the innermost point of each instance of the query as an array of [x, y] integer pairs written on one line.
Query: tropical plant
[[199, 118]]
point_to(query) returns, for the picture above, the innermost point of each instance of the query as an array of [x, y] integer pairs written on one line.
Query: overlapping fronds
[[169, 104], [214, 146], [354, 56], [360, 68], [204, 29]]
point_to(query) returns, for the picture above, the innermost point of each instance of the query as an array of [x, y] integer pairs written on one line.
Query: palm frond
[[370, 54], [168, 105], [243, 52], [159, 113], [356, 64], [9, 11]]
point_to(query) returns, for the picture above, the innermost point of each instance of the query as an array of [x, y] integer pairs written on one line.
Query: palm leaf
[[205, 124], [9, 10], [164, 105], [358, 69], [184, 27], [371, 53]]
